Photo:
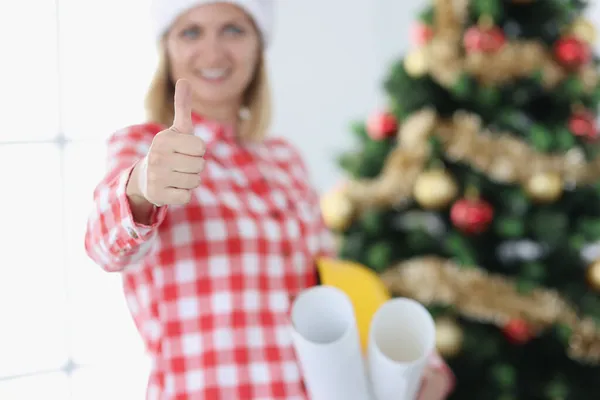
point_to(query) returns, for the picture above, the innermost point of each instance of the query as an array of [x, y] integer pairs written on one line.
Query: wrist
[[132, 189], [135, 196], [140, 207]]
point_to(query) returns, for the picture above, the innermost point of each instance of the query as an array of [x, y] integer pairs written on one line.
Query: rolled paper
[[401, 339], [327, 345]]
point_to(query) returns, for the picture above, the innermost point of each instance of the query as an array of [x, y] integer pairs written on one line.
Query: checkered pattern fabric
[[209, 284]]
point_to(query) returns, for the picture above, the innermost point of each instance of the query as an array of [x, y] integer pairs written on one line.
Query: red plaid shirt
[[209, 284]]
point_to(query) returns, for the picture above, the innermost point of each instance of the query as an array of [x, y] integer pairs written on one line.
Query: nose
[[211, 47]]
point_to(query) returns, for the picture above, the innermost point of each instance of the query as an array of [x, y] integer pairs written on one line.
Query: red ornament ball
[[421, 34], [487, 40], [472, 216], [517, 331], [583, 124], [381, 125], [572, 52]]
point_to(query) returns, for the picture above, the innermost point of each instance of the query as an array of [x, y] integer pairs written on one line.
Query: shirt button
[[132, 233]]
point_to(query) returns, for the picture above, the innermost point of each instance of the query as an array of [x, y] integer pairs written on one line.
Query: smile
[[214, 74]]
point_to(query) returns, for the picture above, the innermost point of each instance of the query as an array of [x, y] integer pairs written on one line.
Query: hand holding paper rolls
[[401, 357]]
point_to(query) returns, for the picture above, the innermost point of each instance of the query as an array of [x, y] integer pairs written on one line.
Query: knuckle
[[159, 138], [201, 164], [162, 139], [201, 146], [196, 180], [164, 134], [183, 197], [189, 181]]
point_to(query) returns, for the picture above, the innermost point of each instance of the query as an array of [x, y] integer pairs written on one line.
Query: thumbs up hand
[[172, 167]]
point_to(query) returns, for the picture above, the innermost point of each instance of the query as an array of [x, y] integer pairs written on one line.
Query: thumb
[[182, 121]]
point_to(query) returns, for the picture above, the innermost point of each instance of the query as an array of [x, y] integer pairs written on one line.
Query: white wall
[[327, 63]]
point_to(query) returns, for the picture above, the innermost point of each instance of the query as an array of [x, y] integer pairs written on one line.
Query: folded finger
[[180, 180], [187, 164]]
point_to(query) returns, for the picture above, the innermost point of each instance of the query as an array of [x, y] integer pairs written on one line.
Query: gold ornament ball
[[584, 30], [415, 63], [337, 209], [545, 187], [448, 337], [435, 189], [593, 275]]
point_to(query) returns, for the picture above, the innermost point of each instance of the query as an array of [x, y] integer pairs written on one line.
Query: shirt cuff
[[134, 233]]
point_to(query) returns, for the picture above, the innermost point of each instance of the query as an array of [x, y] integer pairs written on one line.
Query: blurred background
[[73, 71]]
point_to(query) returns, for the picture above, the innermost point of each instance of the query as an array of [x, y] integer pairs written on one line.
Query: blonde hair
[[257, 99]]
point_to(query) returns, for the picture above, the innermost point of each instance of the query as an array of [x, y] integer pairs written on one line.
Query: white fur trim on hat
[[165, 12]]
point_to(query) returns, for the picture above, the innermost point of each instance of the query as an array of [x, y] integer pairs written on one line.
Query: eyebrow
[[233, 20]]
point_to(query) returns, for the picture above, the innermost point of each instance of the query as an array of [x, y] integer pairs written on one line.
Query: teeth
[[213, 73]]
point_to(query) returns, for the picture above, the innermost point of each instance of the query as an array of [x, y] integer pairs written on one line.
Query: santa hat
[[165, 12]]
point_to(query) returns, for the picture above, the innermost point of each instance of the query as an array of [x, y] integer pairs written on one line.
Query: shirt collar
[[208, 129]]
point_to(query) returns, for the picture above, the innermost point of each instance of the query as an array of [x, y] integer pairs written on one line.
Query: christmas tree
[[477, 192]]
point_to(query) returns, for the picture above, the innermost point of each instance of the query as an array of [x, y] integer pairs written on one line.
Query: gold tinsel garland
[[502, 157], [442, 57], [492, 299]]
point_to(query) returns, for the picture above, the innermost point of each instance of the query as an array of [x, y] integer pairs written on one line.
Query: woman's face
[[215, 47]]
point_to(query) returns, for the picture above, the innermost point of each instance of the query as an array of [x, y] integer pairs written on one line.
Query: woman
[[213, 226]]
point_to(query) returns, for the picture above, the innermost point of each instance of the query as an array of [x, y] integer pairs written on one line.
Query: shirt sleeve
[[113, 239]]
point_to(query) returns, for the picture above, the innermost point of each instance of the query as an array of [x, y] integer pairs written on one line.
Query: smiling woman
[[212, 225]]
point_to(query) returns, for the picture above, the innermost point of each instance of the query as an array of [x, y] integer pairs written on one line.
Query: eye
[[192, 32], [233, 30]]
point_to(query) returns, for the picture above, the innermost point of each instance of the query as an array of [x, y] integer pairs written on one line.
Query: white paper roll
[[401, 338], [327, 345]]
